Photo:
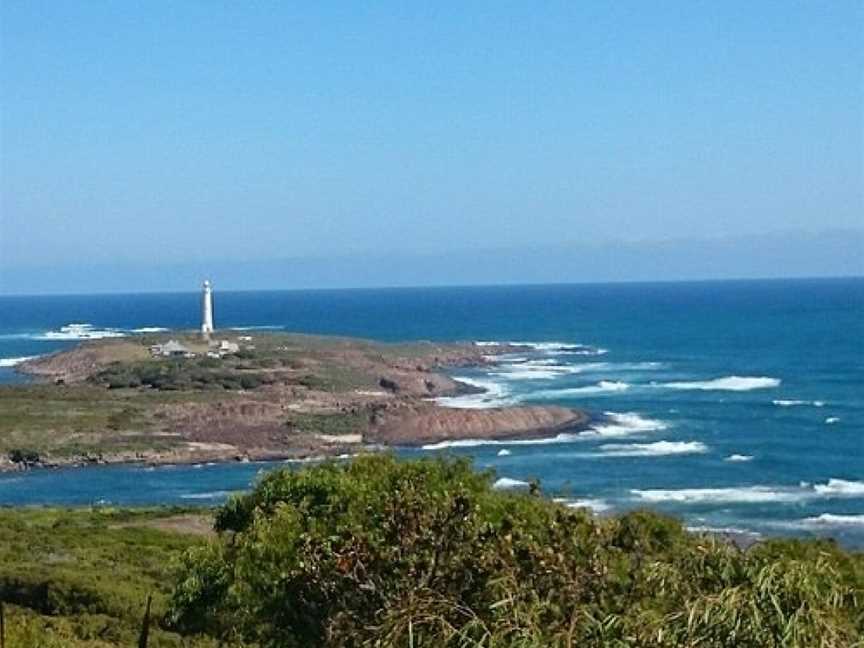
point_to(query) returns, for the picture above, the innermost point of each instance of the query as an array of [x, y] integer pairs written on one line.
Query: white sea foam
[[11, 362], [564, 437], [596, 505], [548, 369], [624, 424], [735, 531], [833, 488], [796, 403], [739, 458], [637, 366], [527, 373], [541, 369], [831, 420], [727, 383], [840, 488], [80, 331], [832, 520], [602, 387], [506, 483], [742, 494], [615, 425], [547, 347], [209, 495], [504, 452], [305, 460], [572, 349], [149, 329], [494, 395], [655, 449]]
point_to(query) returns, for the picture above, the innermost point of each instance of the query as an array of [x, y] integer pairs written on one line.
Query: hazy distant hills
[[790, 254]]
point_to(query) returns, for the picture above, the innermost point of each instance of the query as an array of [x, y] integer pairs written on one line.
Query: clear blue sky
[[155, 132]]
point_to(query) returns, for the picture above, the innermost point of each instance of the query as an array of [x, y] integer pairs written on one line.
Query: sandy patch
[[201, 445], [340, 438]]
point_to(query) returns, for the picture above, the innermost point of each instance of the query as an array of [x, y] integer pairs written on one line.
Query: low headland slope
[[245, 397]]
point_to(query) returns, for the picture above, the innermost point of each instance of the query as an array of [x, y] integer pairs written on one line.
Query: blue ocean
[[733, 405]]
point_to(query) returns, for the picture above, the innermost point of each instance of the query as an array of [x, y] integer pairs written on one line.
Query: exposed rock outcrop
[[430, 424]]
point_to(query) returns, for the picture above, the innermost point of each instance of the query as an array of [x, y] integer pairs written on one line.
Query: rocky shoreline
[[313, 397]]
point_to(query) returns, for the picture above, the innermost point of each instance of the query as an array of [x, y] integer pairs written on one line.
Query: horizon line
[[619, 282]]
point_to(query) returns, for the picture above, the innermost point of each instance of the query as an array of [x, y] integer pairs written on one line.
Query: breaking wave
[[733, 531], [11, 362], [739, 458], [794, 403], [494, 395], [602, 387], [833, 488], [831, 420], [596, 505], [840, 488], [614, 425], [743, 494], [548, 347], [535, 370], [549, 369], [656, 449], [624, 424], [564, 437], [506, 483], [206, 496], [728, 383], [80, 332], [830, 519]]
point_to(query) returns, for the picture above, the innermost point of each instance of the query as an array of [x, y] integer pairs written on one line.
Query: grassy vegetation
[[335, 424], [71, 420], [181, 375], [80, 578], [382, 553]]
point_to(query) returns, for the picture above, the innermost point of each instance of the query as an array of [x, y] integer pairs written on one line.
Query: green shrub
[[23, 456], [383, 553]]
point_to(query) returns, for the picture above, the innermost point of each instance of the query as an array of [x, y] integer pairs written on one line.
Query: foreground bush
[[384, 553]]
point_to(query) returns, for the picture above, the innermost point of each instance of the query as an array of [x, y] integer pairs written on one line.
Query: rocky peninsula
[[174, 398]]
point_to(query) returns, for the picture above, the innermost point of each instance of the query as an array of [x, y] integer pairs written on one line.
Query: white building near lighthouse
[[207, 310]]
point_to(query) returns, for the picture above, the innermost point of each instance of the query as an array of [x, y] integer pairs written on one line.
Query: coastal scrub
[[378, 552]]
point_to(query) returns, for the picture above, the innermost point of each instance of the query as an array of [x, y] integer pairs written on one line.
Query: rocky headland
[[273, 396]]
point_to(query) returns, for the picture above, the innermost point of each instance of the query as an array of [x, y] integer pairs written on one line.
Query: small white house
[[226, 347], [171, 349]]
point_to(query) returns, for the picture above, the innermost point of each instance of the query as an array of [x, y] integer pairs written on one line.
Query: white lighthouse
[[206, 310]]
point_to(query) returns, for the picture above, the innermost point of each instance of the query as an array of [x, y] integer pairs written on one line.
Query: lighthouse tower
[[206, 310]]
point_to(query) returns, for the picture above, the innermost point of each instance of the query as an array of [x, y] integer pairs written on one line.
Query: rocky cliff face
[[419, 425]]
